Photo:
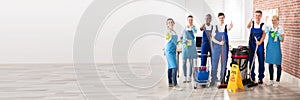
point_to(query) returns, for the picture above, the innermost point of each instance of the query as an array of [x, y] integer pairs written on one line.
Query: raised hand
[[230, 25]]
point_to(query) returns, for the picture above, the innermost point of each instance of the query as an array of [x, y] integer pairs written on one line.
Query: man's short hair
[[221, 14], [258, 11]]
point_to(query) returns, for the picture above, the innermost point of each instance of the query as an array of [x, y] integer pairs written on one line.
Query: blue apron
[[189, 51], [170, 51], [205, 47], [216, 54], [273, 55]]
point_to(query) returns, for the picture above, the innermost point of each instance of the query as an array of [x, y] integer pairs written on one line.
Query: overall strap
[[252, 24], [217, 30], [261, 25], [225, 30]]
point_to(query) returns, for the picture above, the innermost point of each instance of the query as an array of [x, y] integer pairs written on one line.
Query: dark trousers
[[261, 61], [271, 72], [172, 73]]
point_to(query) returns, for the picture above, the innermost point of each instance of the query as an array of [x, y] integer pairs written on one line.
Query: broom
[[222, 85]]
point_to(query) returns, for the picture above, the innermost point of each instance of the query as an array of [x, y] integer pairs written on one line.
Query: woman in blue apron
[[273, 55], [189, 51], [220, 49], [206, 45], [256, 38], [170, 52]]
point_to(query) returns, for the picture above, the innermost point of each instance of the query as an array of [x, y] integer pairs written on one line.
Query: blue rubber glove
[[279, 36], [194, 29]]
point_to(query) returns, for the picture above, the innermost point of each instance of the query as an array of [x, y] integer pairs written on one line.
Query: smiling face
[[170, 23], [275, 20], [221, 19], [258, 17], [190, 20], [208, 19]]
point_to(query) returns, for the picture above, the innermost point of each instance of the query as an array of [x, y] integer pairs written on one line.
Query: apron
[[170, 51], [273, 55], [190, 50]]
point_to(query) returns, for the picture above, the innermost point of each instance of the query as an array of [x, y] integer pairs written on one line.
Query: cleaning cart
[[202, 74]]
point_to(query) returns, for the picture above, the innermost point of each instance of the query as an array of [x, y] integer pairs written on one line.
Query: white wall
[[38, 31], [42, 31]]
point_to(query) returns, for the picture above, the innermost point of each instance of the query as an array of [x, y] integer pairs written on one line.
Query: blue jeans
[[172, 73], [191, 60], [271, 72]]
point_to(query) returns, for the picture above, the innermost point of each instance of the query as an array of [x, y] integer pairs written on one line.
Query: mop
[[223, 84], [252, 84]]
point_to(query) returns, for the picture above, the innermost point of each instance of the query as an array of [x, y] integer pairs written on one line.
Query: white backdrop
[[38, 31], [42, 31]]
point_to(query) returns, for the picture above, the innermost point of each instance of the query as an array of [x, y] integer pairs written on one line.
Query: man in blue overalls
[[206, 39], [257, 32], [220, 48], [189, 51]]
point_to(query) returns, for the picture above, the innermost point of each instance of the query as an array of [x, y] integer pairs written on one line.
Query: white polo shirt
[[258, 25], [279, 29]]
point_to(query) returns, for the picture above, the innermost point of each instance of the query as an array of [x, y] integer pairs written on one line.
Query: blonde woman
[[170, 53], [273, 55]]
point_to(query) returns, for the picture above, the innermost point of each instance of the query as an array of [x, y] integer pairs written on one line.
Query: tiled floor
[[36, 82]]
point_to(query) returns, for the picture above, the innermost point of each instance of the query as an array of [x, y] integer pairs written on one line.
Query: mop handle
[[210, 41], [222, 59], [177, 64], [223, 48], [251, 67]]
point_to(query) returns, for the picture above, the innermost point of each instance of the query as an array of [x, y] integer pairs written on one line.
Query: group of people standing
[[215, 40]]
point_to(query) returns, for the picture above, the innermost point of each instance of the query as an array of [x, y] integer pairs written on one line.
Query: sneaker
[[276, 84], [218, 83], [185, 80], [260, 81], [253, 79], [212, 84], [189, 79], [177, 88], [271, 82], [170, 85]]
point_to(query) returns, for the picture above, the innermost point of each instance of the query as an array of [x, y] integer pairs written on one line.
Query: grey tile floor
[[61, 82]]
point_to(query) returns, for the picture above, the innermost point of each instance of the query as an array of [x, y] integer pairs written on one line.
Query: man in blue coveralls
[[256, 38], [206, 39]]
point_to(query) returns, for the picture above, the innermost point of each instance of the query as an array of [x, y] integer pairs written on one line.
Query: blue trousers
[[191, 60], [216, 56], [204, 50], [172, 73], [261, 61]]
